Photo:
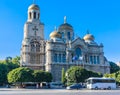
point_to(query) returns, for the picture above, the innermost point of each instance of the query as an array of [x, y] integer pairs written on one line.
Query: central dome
[[33, 7], [65, 26]]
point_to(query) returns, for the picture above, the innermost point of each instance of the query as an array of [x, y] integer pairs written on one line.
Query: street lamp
[[67, 65]]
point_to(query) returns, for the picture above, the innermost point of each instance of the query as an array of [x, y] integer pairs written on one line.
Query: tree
[[47, 77], [21, 74], [16, 60], [3, 73], [12, 63], [115, 75], [38, 75], [8, 59], [6, 66], [63, 79], [42, 76], [114, 67], [11, 66], [78, 74]]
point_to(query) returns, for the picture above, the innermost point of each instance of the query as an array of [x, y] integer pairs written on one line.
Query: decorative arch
[[78, 51], [35, 49], [35, 46]]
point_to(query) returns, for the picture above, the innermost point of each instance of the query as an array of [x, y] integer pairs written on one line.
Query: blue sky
[[101, 17]]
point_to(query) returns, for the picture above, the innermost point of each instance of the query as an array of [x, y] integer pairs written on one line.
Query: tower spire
[[65, 19]]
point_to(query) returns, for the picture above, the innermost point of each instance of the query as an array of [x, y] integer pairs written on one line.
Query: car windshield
[[75, 84]]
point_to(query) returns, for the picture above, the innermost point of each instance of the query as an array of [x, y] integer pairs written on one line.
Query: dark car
[[74, 86]]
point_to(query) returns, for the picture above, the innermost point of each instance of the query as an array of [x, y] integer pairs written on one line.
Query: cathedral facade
[[62, 50]]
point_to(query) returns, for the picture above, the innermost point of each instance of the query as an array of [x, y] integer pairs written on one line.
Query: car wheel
[[96, 88], [109, 88]]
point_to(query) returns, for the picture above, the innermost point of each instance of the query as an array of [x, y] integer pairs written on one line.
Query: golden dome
[[65, 26], [89, 37], [55, 34], [33, 7]]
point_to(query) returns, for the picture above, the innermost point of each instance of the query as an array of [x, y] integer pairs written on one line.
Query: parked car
[[56, 85], [74, 86]]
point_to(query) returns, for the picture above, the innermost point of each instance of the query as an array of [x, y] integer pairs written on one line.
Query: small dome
[[55, 34], [33, 7], [89, 37]]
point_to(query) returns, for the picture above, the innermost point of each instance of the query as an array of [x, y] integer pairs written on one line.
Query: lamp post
[[67, 63]]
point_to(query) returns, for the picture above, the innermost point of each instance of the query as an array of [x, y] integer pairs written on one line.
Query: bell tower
[[33, 44], [33, 13]]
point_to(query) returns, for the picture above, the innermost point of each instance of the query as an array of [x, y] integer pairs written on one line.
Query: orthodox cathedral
[[62, 50]]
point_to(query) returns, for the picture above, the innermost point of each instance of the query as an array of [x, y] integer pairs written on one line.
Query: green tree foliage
[[38, 75], [77, 74], [47, 77], [63, 79], [16, 60], [42, 76], [115, 75], [21, 74], [114, 67], [24, 74], [11, 66], [8, 59], [6, 66], [3, 73], [11, 63]]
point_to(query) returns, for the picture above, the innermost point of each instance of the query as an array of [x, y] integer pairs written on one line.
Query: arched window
[[91, 60], [55, 57], [59, 57], [98, 60], [64, 57], [34, 15], [78, 52], [94, 59], [32, 47], [86, 58], [68, 34], [62, 35], [37, 47]]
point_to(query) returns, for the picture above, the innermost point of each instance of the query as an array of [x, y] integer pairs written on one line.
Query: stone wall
[[56, 69]]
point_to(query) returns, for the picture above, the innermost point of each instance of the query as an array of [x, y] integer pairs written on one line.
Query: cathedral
[[62, 50]]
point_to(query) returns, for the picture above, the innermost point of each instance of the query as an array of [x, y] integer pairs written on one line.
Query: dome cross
[[65, 19]]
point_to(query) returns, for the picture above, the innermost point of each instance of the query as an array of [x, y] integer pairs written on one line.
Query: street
[[57, 92]]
